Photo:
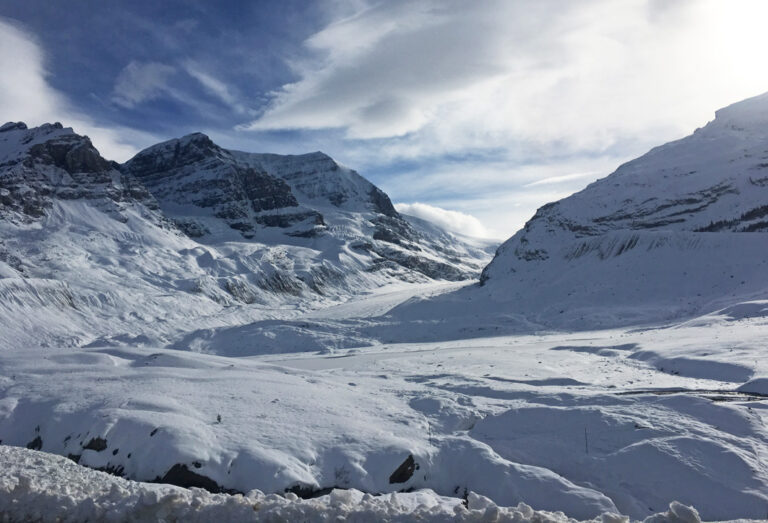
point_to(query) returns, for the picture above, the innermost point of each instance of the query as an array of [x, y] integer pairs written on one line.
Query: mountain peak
[[643, 239], [197, 138], [13, 126], [50, 164], [750, 114], [17, 140]]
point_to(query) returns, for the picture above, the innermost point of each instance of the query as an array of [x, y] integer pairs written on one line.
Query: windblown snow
[[257, 329]]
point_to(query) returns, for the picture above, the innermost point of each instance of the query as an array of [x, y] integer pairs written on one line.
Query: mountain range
[[188, 233], [188, 236]]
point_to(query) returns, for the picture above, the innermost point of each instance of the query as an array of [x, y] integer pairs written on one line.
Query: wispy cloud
[[27, 96], [533, 97], [142, 81], [215, 87], [562, 178], [461, 75]]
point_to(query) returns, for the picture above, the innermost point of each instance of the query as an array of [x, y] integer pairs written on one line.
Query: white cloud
[[453, 221], [499, 194], [142, 81], [215, 87], [526, 94], [25, 93], [562, 178], [27, 96], [462, 75]]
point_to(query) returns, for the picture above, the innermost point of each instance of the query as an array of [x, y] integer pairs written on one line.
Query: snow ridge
[[667, 221]]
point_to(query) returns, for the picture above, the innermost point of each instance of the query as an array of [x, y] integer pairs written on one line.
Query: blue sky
[[472, 114]]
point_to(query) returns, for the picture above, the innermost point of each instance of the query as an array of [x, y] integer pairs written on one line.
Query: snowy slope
[[187, 236], [83, 247], [677, 231]]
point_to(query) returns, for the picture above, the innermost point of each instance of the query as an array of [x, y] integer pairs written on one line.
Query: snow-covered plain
[[620, 421]]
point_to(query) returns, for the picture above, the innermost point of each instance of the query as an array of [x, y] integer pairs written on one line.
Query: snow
[[608, 364], [622, 421], [43, 487], [661, 238]]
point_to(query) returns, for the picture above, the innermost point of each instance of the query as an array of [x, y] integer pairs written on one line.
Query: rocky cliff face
[[197, 181], [214, 194], [40, 165], [318, 179]]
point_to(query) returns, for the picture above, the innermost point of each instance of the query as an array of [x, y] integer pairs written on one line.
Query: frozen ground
[[622, 421]]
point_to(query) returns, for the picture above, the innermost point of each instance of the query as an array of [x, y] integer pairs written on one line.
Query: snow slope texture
[[676, 232]]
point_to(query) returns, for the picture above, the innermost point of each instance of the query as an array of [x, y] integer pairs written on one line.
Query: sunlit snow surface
[[622, 421], [43, 487]]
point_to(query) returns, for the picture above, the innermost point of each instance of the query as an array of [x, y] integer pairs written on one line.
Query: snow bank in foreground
[[37, 486]]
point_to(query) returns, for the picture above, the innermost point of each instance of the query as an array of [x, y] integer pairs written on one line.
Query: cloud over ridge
[[453, 221]]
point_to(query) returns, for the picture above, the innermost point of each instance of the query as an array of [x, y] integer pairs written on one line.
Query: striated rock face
[[214, 194], [50, 162], [317, 179], [195, 179]]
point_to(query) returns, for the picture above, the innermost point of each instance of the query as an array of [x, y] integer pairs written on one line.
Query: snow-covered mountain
[[216, 195], [51, 163], [678, 231], [189, 234]]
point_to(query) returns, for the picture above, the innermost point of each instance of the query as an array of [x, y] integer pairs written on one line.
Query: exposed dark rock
[[74, 457], [240, 290], [35, 444], [382, 203], [281, 282], [13, 126], [191, 228], [181, 476], [193, 171], [68, 167], [98, 444], [309, 233], [428, 267], [308, 491], [73, 153], [287, 220], [405, 471]]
